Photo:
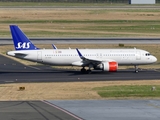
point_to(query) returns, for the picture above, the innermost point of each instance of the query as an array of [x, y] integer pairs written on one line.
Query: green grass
[[130, 28], [64, 34], [128, 91], [72, 21], [90, 28], [84, 21], [86, 27], [134, 10]]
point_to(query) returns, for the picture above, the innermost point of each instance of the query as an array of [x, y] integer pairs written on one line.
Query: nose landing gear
[[136, 68]]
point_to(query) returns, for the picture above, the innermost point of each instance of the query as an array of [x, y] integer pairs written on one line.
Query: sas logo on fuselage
[[23, 45]]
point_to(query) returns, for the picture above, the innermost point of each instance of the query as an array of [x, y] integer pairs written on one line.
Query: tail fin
[[21, 42]]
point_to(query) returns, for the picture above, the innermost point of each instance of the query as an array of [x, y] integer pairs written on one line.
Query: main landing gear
[[83, 70], [136, 68]]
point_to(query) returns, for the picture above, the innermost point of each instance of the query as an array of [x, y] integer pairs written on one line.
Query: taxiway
[[14, 72], [33, 110], [80, 110]]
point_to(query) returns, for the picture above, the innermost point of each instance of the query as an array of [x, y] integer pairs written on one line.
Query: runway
[[15, 72]]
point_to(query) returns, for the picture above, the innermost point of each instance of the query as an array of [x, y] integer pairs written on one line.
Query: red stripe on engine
[[113, 66]]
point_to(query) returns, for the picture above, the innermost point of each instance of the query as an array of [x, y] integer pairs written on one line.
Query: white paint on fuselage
[[66, 57]]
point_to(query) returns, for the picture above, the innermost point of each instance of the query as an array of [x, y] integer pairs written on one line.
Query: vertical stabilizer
[[20, 40]]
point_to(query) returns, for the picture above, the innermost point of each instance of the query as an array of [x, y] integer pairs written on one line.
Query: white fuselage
[[70, 57]]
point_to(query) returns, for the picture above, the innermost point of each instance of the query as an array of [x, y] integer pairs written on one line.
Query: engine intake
[[107, 66]]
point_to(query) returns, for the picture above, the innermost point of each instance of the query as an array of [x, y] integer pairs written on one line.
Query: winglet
[[79, 53], [54, 47], [20, 40]]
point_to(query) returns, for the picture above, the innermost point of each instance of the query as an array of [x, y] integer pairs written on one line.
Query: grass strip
[[128, 91], [80, 21]]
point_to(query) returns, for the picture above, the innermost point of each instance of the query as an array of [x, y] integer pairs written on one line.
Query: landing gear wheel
[[89, 71], [136, 69], [83, 70]]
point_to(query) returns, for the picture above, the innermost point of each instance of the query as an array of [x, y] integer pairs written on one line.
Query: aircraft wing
[[87, 61]]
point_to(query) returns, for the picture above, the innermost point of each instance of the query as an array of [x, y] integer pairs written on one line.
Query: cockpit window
[[148, 54]]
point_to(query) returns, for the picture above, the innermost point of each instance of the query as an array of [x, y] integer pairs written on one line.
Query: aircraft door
[[99, 55], [39, 55], [138, 55]]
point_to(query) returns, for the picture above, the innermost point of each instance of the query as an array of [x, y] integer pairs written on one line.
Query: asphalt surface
[[80, 110], [13, 71], [112, 109], [33, 110]]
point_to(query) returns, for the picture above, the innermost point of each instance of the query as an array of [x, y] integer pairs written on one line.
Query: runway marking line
[[61, 109], [9, 81], [157, 70], [34, 67]]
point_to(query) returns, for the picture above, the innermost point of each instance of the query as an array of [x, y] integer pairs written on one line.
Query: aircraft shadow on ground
[[73, 72]]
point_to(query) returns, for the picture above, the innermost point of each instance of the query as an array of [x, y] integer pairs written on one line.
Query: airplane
[[97, 59]]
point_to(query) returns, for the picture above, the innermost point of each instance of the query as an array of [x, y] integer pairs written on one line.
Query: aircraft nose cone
[[154, 59]]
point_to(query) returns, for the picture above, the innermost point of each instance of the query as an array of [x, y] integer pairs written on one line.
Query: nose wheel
[[136, 69]]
